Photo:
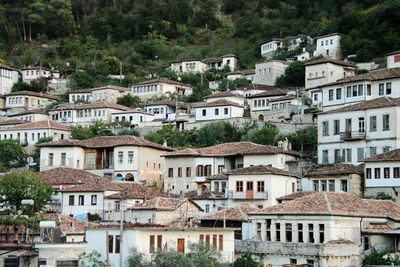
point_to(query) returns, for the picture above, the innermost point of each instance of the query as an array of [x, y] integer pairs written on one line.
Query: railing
[[247, 195], [346, 136]]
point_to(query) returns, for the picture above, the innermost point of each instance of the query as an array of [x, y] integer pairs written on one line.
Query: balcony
[[352, 136], [247, 195]]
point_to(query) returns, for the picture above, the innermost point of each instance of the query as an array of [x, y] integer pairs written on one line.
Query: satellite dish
[[30, 160]]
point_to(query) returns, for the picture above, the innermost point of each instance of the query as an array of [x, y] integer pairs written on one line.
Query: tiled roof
[[283, 98], [258, 87], [12, 122], [331, 60], [93, 105], [393, 53], [271, 92], [219, 176], [166, 102], [336, 170], [230, 149], [30, 93], [336, 204], [242, 72], [217, 103], [296, 195], [238, 213], [161, 80], [163, 203], [260, 169], [63, 175], [378, 228], [110, 87], [96, 186], [31, 111], [4, 66], [229, 55], [67, 224], [49, 124], [107, 141], [340, 241], [376, 103], [221, 94], [393, 155], [205, 195], [135, 191]]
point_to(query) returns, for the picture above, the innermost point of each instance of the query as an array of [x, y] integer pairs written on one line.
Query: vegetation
[[92, 259], [97, 128], [12, 155], [378, 258], [129, 101], [245, 260]]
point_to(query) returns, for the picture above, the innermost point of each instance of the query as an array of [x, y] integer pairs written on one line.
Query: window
[[226, 111], [117, 244], [381, 89], [130, 157], [372, 151], [200, 170], [336, 127], [120, 157], [51, 159], [377, 172], [368, 173], [386, 148], [71, 200], [293, 261], [361, 125], [300, 233], [221, 242], [110, 243], [278, 232], [216, 112], [207, 170], [221, 168], [311, 233], [396, 172], [288, 232], [258, 231], [343, 185], [204, 112], [355, 90], [385, 122], [180, 172], [372, 124], [331, 186], [346, 155], [239, 186], [347, 125], [170, 172], [337, 156], [368, 89], [93, 200], [216, 186], [386, 173], [321, 233], [152, 244], [388, 88], [310, 263], [117, 205], [207, 208], [81, 200], [338, 93], [323, 186], [325, 128], [188, 172], [11, 262], [348, 91], [331, 95], [63, 159], [316, 185], [260, 186], [360, 153], [360, 89], [268, 229]]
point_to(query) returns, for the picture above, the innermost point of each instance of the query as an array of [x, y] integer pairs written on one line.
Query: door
[[181, 245], [249, 189]]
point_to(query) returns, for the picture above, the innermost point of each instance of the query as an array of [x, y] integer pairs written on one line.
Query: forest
[[89, 39]]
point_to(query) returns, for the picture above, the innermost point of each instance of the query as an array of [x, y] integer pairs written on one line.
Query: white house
[[267, 72], [189, 66], [382, 173], [218, 110], [165, 109], [85, 113], [160, 86], [269, 48], [329, 46], [252, 89], [128, 158], [321, 229], [259, 185], [30, 74], [208, 200], [108, 93], [32, 115], [225, 95], [28, 134], [260, 102], [148, 239], [393, 60], [8, 77], [26, 100], [229, 61], [241, 74], [352, 133], [187, 168], [133, 116]]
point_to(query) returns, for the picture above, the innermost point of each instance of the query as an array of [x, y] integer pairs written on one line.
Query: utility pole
[[121, 229], [224, 221]]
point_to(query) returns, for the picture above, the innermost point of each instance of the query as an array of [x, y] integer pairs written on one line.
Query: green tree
[[12, 154], [16, 186], [245, 260], [129, 132], [95, 128], [217, 132], [266, 135], [294, 76], [204, 255], [168, 258], [92, 259], [129, 101], [136, 258], [304, 140]]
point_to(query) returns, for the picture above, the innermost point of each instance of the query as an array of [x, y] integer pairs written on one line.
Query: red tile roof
[[260, 169], [217, 103], [67, 224], [376, 103], [31, 111], [110, 87], [64, 176], [331, 60], [257, 87], [271, 92], [295, 195], [336, 204], [161, 80], [96, 186], [238, 213], [231, 149], [163, 204], [336, 170], [393, 155], [93, 105], [205, 195], [36, 94], [167, 103], [221, 94], [378, 228], [137, 191], [49, 124]]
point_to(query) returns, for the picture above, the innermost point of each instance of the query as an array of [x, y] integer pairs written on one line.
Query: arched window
[[129, 177]]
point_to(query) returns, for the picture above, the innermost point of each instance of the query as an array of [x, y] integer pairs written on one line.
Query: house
[[165, 109], [30, 74], [5, 123], [271, 48], [241, 74], [321, 229], [329, 46], [251, 89], [115, 244], [208, 200], [128, 158], [160, 86], [86, 113], [218, 110], [229, 61], [268, 49], [335, 178], [134, 117], [268, 72], [32, 115], [359, 88], [186, 168], [293, 196], [27, 100], [108, 93], [290, 102], [260, 103], [8, 77], [189, 66], [393, 60], [352, 133], [382, 174], [28, 134], [225, 95]]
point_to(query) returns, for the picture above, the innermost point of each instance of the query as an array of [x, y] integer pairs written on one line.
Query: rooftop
[[260, 169], [106, 87], [36, 94], [238, 213], [161, 80], [332, 61], [376, 103], [137, 191], [63, 175], [221, 94], [92, 105], [274, 91], [32, 111], [335, 204], [393, 155], [164, 204], [217, 103], [336, 170], [167, 103], [38, 125], [260, 87], [295, 195], [67, 224], [205, 195]]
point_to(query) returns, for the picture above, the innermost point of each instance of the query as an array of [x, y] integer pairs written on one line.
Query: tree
[[12, 154], [168, 258], [16, 186], [217, 132], [96, 128], [266, 135], [129, 132], [129, 101], [92, 259], [204, 255], [294, 76], [245, 260], [136, 258], [304, 140]]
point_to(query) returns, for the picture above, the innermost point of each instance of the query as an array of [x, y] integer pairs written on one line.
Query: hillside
[[89, 39]]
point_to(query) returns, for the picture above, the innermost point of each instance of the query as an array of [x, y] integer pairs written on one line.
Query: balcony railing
[[247, 195], [348, 136]]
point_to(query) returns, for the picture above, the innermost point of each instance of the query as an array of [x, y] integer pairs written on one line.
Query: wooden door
[[249, 189], [181, 245]]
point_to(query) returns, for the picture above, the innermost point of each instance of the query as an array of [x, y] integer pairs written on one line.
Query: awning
[[23, 253]]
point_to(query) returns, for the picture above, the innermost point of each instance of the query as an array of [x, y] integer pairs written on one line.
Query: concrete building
[[189, 66], [229, 61], [225, 95], [260, 103], [32, 115], [160, 86], [268, 49], [352, 133], [329, 46], [267, 72], [128, 158], [30, 74], [322, 229], [241, 74], [165, 109], [393, 60], [218, 110], [134, 117], [26, 100], [8, 77], [108, 93]]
